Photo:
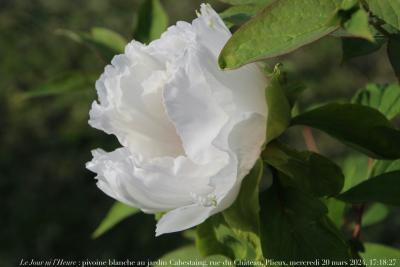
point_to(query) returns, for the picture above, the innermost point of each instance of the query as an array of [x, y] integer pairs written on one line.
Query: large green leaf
[[385, 98], [243, 216], [281, 27], [362, 127], [152, 21], [279, 109], [387, 10], [295, 227], [384, 188], [116, 214], [393, 50], [380, 255], [306, 170], [66, 83]]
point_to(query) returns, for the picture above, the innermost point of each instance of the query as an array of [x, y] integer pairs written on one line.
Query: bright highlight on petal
[[189, 131]]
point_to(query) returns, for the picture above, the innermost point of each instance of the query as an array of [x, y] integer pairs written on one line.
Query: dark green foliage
[[306, 170], [361, 127], [295, 228], [384, 188]]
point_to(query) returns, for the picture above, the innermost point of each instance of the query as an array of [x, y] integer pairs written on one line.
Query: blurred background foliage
[[49, 203]]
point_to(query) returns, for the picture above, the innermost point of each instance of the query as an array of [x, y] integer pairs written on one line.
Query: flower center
[[209, 200]]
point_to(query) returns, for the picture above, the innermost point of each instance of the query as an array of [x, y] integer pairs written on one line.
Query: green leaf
[[116, 214], [374, 214], [109, 38], [387, 10], [279, 109], [189, 256], [306, 170], [377, 255], [385, 98], [358, 25], [243, 216], [184, 253], [393, 51], [361, 127], [382, 166], [295, 227], [66, 83], [336, 210], [280, 28], [355, 170], [214, 236], [104, 42], [384, 188], [152, 21]]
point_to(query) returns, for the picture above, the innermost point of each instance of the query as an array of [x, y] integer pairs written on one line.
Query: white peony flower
[[189, 131]]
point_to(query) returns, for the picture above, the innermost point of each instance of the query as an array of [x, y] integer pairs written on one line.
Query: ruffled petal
[[131, 104], [161, 184]]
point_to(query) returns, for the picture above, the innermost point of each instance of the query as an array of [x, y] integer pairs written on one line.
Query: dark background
[[49, 204]]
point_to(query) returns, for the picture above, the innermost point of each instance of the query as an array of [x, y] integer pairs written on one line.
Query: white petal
[[135, 115], [210, 29], [182, 219], [246, 140], [194, 112], [115, 175], [162, 184]]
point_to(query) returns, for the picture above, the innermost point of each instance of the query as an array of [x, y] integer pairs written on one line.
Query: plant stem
[[357, 228], [309, 139]]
